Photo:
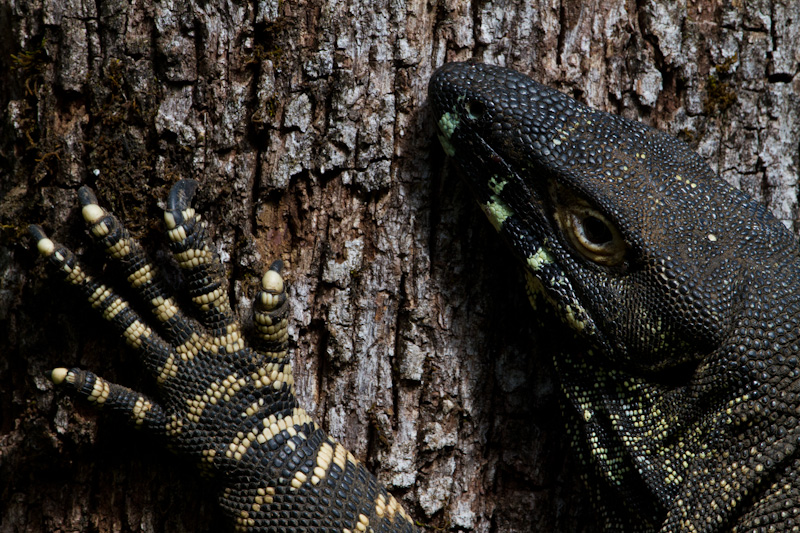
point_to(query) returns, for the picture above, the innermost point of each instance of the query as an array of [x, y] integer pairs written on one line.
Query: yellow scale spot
[[213, 299], [240, 445], [341, 457], [92, 213], [268, 300], [363, 523], [174, 426], [140, 410], [278, 356], [447, 123], [496, 184], [227, 388], [193, 257], [169, 370], [298, 480], [169, 219], [100, 391], [176, 234], [208, 455], [99, 295], [164, 309], [196, 406], [269, 330], [141, 276], [497, 211], [380, 505], [189, 349], [324, 458], [392, 508], [119, 249], [266, 323], [273, 425], [243, 522], [76, 275], [541, 258], [232, 341], [275, 374], [572, 314], [99, 230], [261, 377], [133, 334], [253, 408], [533, 287], [112, 310], [264, 496]]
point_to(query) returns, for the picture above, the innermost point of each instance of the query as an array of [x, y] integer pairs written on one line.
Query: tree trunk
[[306, 124]]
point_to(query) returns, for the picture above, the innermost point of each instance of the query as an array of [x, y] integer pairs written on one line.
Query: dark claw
[[277, 266], [86, 196], [181, 194], [37, 232]]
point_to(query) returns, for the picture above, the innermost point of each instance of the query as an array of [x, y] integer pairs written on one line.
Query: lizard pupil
[[596, 231], [475, 109]]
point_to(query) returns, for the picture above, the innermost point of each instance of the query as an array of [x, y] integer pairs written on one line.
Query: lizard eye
[[593, 236], [475, 109], [594, 231], [588, 230]]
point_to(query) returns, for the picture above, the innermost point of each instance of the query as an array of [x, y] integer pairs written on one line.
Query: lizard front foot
[[223, 403]]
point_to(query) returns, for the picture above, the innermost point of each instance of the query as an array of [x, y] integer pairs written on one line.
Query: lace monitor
[[679, 384]]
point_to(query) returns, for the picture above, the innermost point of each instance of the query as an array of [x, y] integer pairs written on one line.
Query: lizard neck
[[654, 433]]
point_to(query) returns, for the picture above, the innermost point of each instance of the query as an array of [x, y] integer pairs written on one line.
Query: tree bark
[[306, 124]]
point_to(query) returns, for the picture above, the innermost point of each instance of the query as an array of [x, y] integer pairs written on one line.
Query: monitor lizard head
[[638, 245]]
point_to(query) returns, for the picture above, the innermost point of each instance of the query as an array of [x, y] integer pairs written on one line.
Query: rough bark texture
[[306, 124]]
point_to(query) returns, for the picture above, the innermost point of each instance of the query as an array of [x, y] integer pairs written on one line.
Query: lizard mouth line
[[525, 232]]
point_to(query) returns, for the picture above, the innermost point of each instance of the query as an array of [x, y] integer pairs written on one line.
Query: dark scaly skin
[[223, 404], [681, 384]]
